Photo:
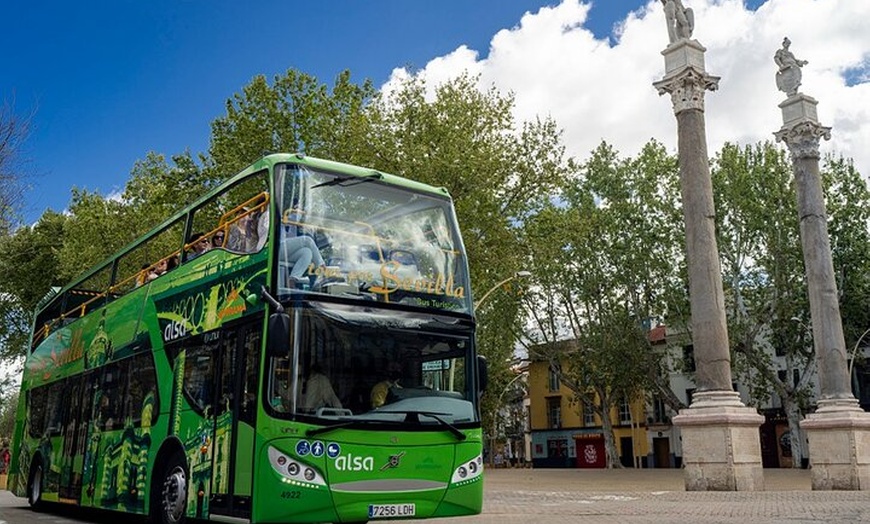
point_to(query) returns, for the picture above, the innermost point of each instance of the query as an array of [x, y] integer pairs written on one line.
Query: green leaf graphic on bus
[[210, 303]]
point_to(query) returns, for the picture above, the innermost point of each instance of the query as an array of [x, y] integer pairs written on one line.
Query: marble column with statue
[[720, 437], [839, 431]]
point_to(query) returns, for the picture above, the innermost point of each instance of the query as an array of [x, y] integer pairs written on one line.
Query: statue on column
[[680, 20], [788, 78]]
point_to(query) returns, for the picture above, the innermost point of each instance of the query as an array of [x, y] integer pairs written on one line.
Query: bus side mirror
[[482, 373], [278, 340]]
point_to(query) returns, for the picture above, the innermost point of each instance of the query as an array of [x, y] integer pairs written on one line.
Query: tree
[[606, 258], [498, 172], [8, 409], [847, 198], [14, 130], [97, 227], [765, 292], [296, 113], [765, 284], [460, 138], [30, 265]]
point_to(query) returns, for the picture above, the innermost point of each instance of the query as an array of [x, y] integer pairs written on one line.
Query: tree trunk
[[793, 413], [607, 428]]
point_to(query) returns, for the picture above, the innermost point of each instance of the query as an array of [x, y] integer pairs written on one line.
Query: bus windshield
[[371, 366], [356, 236]]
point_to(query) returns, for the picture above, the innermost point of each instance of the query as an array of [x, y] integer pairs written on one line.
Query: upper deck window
[[358, 236]]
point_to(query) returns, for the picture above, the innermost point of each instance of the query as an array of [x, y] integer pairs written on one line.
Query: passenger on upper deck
[[243, 233], [161, 268], [299, 251], [217, 240], [201, 245]]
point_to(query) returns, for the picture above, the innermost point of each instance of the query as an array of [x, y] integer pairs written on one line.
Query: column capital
[[803, 138], [687, 88]]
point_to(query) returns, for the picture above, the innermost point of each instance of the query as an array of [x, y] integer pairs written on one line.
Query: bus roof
[[265, 162]]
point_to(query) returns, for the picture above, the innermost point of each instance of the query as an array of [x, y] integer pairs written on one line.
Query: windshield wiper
[[326, 429], [340, 180], [415, 416]]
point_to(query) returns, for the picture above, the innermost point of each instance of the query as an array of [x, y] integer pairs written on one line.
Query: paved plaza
[[550, 496]]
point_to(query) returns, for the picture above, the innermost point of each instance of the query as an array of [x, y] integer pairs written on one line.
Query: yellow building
[[566, 434]]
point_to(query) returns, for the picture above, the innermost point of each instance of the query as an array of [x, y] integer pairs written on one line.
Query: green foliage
[[295, 113], [8, 409], [763, 268], [848, 205], [30, 265], [606, 256], [467, 141]]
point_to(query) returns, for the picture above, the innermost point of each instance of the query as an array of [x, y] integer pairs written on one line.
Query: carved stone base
[[721, 445], [683, 54], [798, 109], [839, 438]]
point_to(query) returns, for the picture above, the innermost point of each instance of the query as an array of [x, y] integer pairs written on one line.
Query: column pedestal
[[839, 438], [721, 447]]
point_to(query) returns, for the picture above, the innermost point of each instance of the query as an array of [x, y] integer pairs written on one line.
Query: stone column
[[839, 431], [720, 438]]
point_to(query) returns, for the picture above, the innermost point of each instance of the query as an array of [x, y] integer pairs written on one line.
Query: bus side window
[[38, 399], [112, 393], [141, 399], [249, 386], [55, 408], [198, 377]]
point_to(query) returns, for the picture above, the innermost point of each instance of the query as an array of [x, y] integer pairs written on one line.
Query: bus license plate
[[385, 511]]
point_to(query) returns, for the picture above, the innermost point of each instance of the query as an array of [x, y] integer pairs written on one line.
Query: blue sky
[[110, 81]]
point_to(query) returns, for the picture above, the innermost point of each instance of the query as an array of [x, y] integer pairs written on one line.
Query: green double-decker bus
[[295, 346]]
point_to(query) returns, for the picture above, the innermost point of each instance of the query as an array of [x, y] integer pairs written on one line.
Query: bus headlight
[[468, 472], [294, 471]]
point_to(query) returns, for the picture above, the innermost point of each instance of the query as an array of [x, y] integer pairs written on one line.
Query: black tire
[[35, 483], [169, 492]]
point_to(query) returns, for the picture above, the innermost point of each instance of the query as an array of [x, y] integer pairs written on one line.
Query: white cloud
[[598, 90]]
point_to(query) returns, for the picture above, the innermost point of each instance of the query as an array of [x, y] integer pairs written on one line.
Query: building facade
[[563, 433]]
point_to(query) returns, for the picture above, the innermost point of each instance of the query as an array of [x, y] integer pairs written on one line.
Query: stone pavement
[[550, 496], [562, 496]]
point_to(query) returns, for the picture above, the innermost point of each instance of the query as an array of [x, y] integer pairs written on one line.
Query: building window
[[554, 380], [659, 411], [624, 412], [689, 358], [588, 414], [554, 412], [557, 448], [689, 393]]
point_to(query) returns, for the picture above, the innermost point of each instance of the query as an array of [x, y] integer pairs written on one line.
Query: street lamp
[[854, 351], [854, 348], [518, 274], [496, 415], [477, 304]]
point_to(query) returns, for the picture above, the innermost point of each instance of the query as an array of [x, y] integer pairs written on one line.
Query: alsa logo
[[350, 463], [174, 330]]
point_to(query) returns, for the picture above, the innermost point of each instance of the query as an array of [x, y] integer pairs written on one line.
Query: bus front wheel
[[169, 498], [34, 486]]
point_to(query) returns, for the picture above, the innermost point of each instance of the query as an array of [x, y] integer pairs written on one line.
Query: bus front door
[[233, 455]]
